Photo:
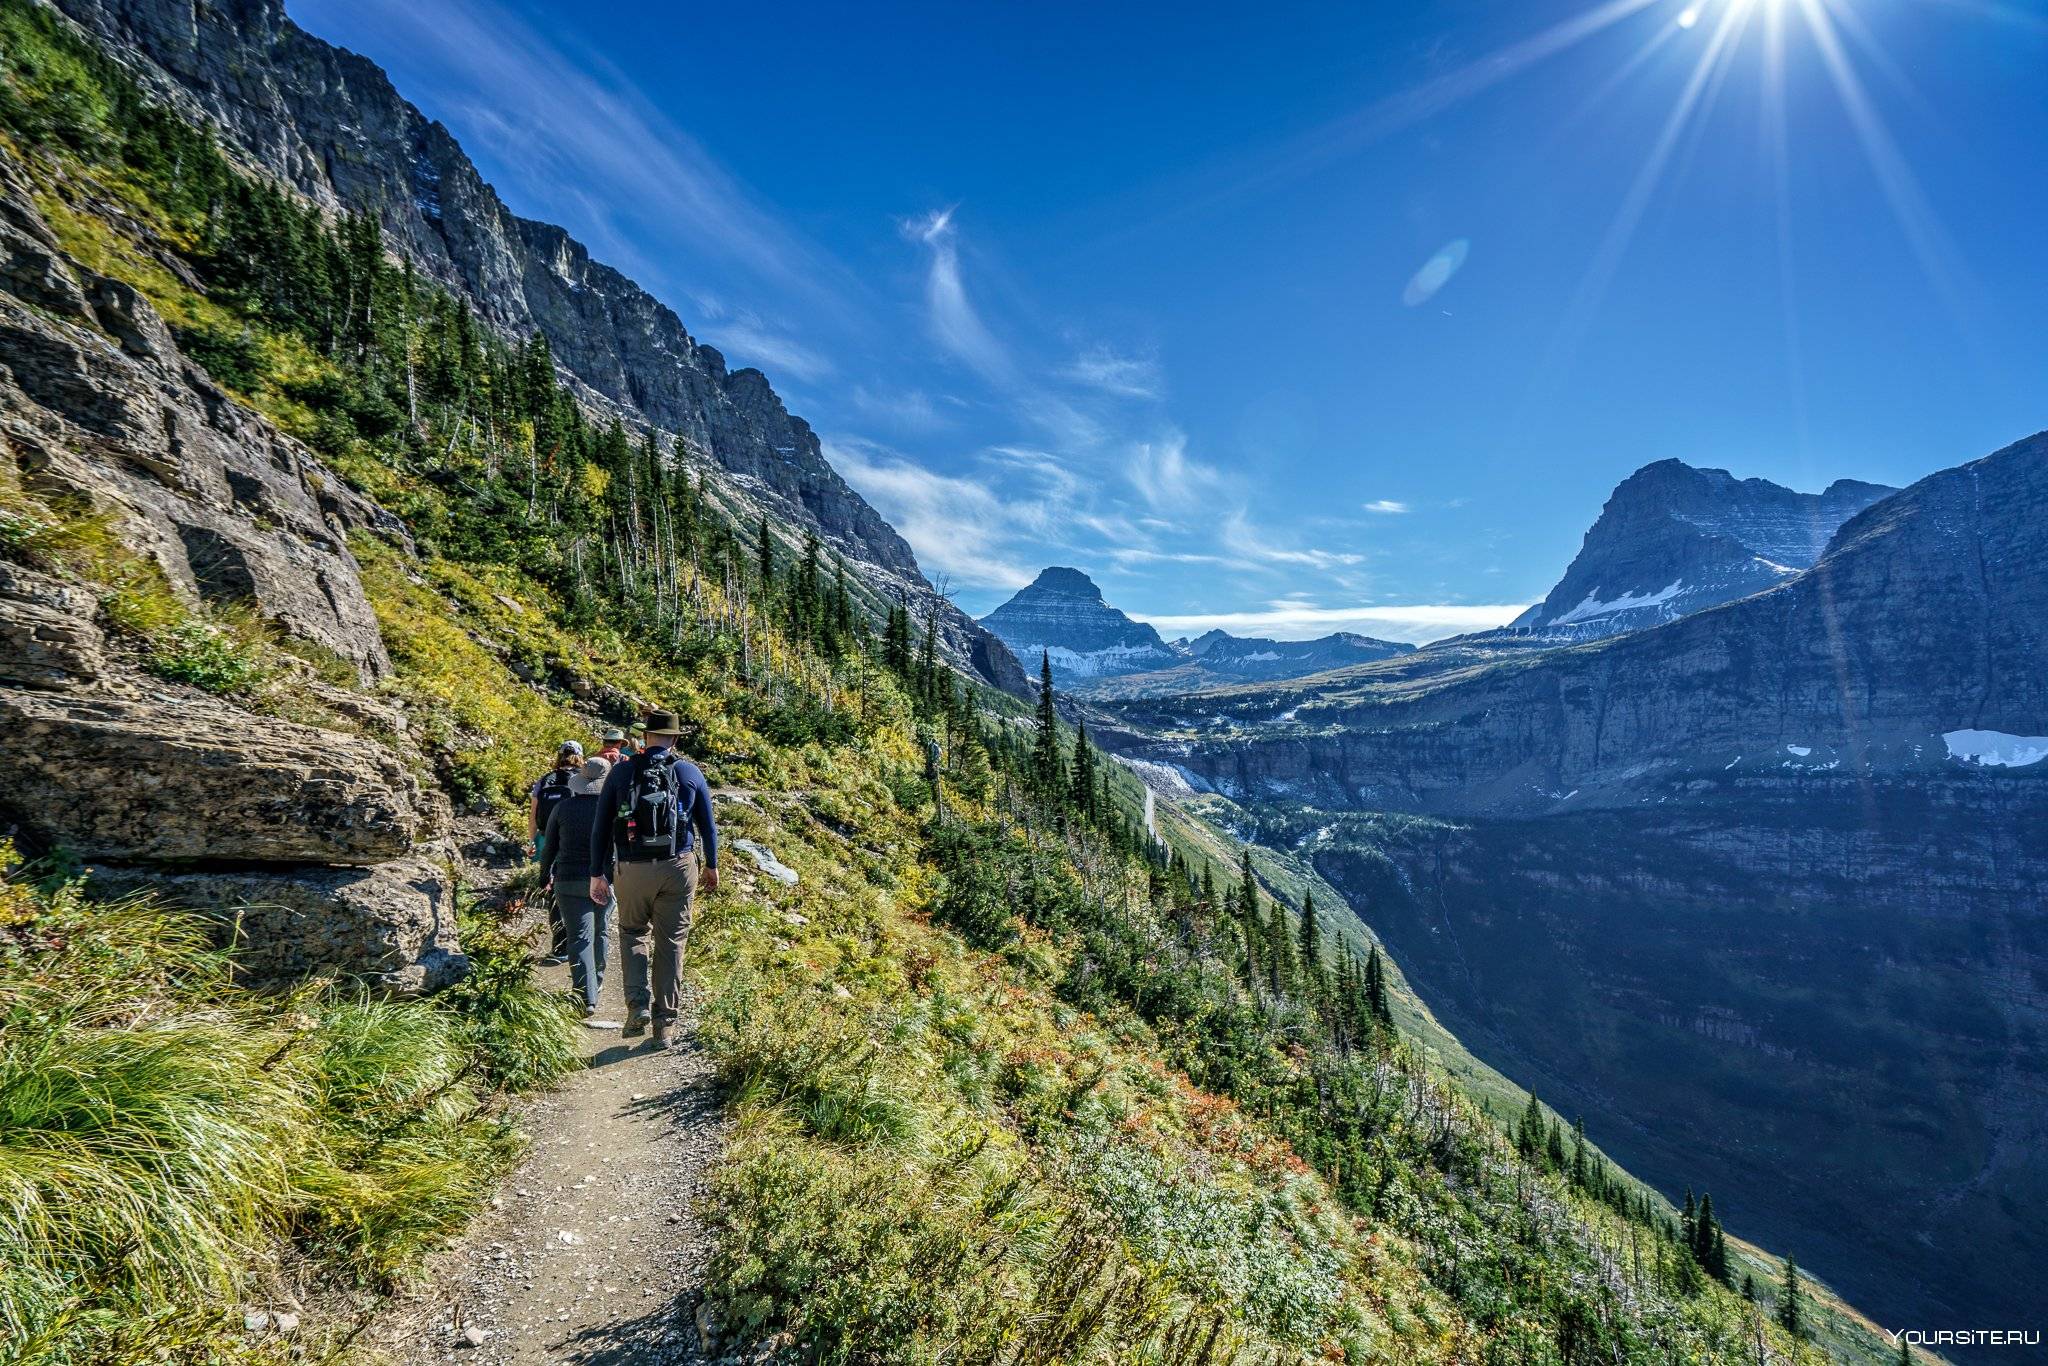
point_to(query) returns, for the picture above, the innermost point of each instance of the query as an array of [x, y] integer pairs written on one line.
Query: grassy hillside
[[1010, 1083]]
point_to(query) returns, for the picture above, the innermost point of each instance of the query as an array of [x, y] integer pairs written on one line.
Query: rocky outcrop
[[1674, 540], [1061, 615], [391, 925], [99, 408], [183, 779], [330, 124], [312, 841]]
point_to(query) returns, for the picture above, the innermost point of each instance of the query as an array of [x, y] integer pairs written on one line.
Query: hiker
[[569, 845], [611, 746], [636, 740], [550, 789], [655, 819]]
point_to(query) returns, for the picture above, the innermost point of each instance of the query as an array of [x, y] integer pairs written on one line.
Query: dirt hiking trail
[[592, 1254]]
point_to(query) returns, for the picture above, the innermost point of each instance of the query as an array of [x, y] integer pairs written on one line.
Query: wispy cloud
[[1417, 623], [600, 156], [1249, 542], [954, 323], [910, 410], [754, 342], [1388, 506], [1164, 476], [1124, 376], [959, 527]]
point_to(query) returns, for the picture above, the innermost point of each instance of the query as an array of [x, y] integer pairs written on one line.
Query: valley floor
[[594, 1253]]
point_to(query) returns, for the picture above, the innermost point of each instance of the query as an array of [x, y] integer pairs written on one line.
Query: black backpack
[[551, 790], [652, 823]]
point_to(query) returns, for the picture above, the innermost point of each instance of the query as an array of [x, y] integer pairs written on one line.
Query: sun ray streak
[[1998, 13], [1614, 245], [1909, 204], [1433, 97], [1778, 155]]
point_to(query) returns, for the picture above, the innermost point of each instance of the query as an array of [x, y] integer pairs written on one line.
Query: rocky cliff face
[[330, 124], [1674, 539], [1771, 871], [322, 842], [1062, 615]]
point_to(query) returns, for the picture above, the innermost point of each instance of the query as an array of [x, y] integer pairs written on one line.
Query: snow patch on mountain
[[1996, 748], [1673, 540], [1627, 602]]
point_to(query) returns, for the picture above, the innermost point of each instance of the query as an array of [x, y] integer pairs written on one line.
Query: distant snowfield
[[1995, 748]]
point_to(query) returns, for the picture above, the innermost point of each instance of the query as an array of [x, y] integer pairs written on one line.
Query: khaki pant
[[654, 898]]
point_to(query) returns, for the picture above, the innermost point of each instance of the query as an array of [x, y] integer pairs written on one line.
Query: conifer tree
[[1529, 1137], [928, 661], [1086, 803], [1311, 943], [1791, 1302], [1579, 1153], [1047, 770], [1280, 968], [764, 556], [842, 605], [1376, 1003], [1248, 916]]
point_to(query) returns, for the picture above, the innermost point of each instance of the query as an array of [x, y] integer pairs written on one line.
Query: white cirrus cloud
[[1416, 623], [1389, 506], [959, 527], [1163, 474], [911, 410], [950, 314], [754, 342], [1124, 376], [1248, 542]]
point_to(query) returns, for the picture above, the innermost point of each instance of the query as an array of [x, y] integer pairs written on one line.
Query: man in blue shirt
[[655, 814]]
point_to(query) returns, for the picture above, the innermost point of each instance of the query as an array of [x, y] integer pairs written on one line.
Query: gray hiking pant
[[654, 901], [589, 931]]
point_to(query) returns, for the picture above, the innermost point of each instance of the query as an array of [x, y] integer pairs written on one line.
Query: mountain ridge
[[1771, 867], [1098, 650], [330, 124], [1675, 538]]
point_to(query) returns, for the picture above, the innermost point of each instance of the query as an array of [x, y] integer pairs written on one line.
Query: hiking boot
[[636, 1025], [661, 1036]]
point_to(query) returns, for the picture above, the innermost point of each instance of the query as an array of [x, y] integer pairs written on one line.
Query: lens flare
[[1436, 272]]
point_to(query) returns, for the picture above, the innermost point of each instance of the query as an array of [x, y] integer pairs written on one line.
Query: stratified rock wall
[[323, 846]]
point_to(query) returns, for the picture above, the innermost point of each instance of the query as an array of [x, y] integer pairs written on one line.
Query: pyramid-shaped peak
[[1066, 582]]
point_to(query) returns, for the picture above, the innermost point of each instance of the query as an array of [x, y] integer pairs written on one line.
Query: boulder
[[188, 779], [392, 925]]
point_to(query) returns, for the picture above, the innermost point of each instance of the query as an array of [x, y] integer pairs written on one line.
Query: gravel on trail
[[592, 1253]]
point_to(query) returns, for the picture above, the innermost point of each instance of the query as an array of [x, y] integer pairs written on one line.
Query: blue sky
[[1293, 318]]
